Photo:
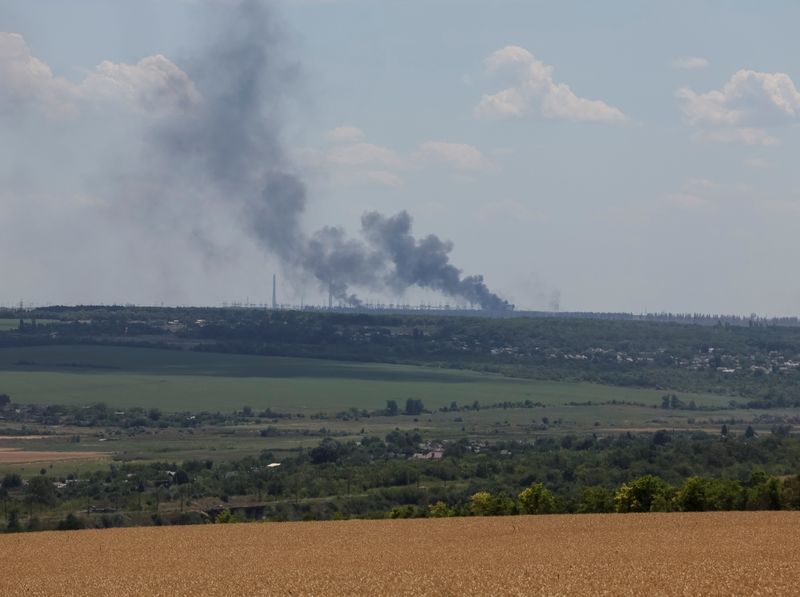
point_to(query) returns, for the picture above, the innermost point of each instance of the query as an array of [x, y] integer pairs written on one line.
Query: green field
[[181, 380], [13, 324]]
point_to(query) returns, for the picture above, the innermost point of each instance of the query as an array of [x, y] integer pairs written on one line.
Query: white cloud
[[458, 155], [690, 63], [153, 85], [737, 113], [363, 154], [747, 136], [354, 160], [27, 82], [535, 89], [346, 134]]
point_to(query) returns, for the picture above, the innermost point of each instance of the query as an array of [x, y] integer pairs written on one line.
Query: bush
[[536, 499], [12, 481], [440, 510], [71, 523], [645, 494]]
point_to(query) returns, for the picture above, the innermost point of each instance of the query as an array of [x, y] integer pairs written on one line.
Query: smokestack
[[330, 296], [274, 293]]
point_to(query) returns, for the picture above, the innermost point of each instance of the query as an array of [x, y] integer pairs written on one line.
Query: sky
[[628, 156]]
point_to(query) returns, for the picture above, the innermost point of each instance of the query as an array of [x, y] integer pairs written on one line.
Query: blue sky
[[621, 156]]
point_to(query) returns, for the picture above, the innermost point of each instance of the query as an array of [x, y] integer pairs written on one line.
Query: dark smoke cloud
[[232, 143]]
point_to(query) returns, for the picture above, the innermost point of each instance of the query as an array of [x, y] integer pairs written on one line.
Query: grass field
[[180, 380], [13, 324], [647, 554]]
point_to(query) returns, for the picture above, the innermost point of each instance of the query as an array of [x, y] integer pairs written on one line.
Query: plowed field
[[653, 554], [17, 456]]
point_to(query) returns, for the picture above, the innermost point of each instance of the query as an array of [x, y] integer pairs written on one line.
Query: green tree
[[439, 510], [767, 495], [480, 503], [642, 494], [536, 499], [13, 525], [391, 408], [12, 481], [71, 523], [596, 499], [692, 495], [484, 503], [414, 407], [40, 491], [791, 492]]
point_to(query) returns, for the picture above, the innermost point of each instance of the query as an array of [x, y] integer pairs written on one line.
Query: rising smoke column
[[424, 262], [232, 142]]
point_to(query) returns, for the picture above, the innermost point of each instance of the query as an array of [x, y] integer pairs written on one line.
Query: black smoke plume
[[233, 143]]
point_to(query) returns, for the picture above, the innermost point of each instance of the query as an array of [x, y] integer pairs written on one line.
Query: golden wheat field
[[649, 554]]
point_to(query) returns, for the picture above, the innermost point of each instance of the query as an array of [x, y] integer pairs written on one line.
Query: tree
[[642, 494], [12, 481], [13, 525], [391, 408], [414, 407], [71, 523], [791, 492], [40, 491], [692, 496], [596, 500], [439, 510], [5, 400], [484, 503], [749, 432], [536, 499], [767, 495], [328, 450]]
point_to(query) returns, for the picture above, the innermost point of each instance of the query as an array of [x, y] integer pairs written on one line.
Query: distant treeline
[[756, 366]]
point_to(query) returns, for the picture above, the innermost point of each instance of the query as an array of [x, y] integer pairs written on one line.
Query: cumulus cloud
[[691, 63], [737, 112], [27, 82], [352, 159], [154, 85], [534, 89]]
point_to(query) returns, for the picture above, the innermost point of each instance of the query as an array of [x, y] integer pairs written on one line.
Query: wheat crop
[[648, 554]]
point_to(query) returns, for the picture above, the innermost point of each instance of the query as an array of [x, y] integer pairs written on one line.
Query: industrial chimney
[[274, 293]]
